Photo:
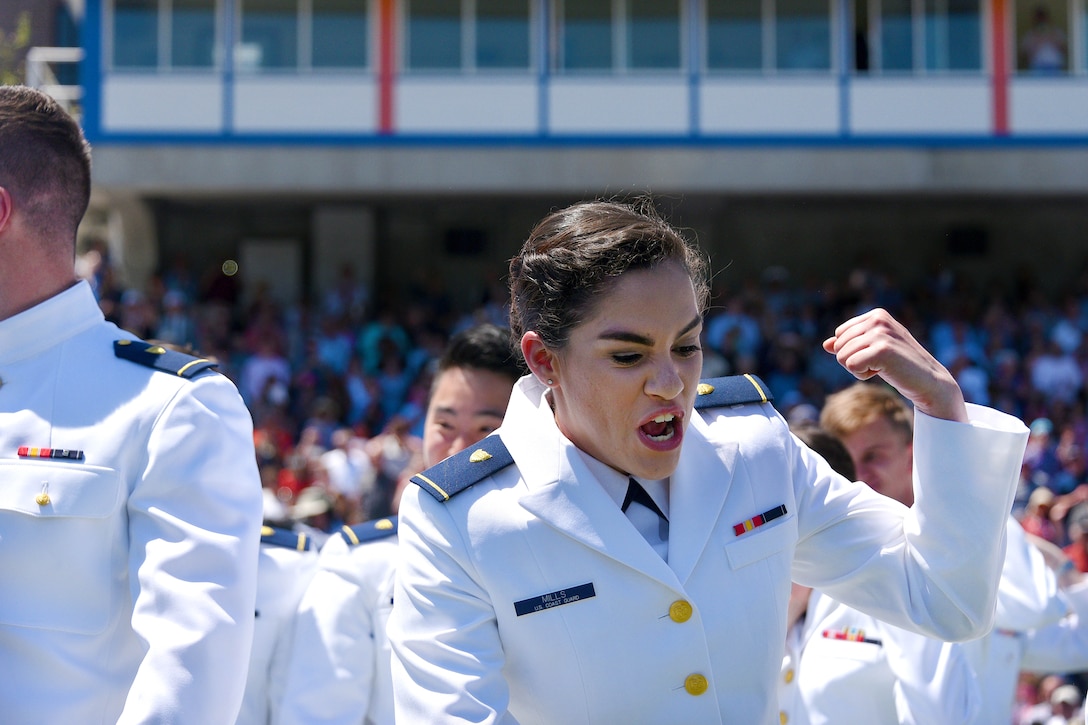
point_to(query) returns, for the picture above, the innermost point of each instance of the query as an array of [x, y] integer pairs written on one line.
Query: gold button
[[680, 611], [789, 676], [783, 717], [42, 499], [696, 684]]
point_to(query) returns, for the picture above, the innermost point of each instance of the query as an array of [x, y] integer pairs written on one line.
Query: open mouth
[[661, 428]]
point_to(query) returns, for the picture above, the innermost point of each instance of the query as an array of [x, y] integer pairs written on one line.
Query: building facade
[[420, 137]]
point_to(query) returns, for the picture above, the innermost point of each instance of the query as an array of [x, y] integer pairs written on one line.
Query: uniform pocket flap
[[42, 488], [758, 544]]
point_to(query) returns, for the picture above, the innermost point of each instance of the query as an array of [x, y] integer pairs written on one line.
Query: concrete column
[[132, 239], [343, 237]]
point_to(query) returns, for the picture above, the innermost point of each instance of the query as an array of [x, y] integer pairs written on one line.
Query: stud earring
[[551, 382]]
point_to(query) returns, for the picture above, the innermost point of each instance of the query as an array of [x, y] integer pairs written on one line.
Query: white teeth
[[667, 435], [664, 418]]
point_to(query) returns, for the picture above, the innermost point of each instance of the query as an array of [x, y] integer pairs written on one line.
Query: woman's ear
[[541, 360]]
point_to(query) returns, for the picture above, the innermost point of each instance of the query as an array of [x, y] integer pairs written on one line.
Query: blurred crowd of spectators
[[338, 388]]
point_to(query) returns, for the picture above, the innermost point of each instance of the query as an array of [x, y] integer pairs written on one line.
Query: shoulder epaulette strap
[[286, 538], [465, 468], [161, 358], [369, 530], [732, 390]]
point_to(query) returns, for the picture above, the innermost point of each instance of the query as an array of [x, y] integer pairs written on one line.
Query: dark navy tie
[[647, 517], [637, 494]]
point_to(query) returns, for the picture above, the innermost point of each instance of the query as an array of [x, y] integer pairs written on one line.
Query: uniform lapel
[[563, 493], [576, 505], [697, 493]]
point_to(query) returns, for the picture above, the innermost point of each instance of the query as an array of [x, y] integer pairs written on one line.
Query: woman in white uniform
[[538, 584]]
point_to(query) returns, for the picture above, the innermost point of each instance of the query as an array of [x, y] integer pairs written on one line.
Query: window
[[768, 35], [953, 35], [1042, 37], [896, 35], [340, 34], [269, 34], [734, 34], [502, 34], [302, 34], [434, 34], [135, 33], [919, 37], [468, 34], [164, 33], [192, 34], [802, 35], [587, 35], [646, 32], [653, 36], [272, 34]]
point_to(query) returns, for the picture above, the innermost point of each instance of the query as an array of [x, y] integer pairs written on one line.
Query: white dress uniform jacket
[[888, 675], [339, 665], [128, 560], [1062, 646], [857, 669], [1028, 599], [287, 562], [529, 596], [791, 706]]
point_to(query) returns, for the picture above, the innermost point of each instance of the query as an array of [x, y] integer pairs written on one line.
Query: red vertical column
[[1000, 75], [387, 45]]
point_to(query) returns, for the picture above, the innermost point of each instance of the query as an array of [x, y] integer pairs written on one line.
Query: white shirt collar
[[615, 483], [49, 323]]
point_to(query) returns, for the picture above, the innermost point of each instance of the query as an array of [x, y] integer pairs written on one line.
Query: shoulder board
[[286, 538], [369, 530], [732, 390], [465, 468], [161, 358]]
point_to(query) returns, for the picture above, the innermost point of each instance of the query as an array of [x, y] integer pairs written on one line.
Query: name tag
[[555, 599]]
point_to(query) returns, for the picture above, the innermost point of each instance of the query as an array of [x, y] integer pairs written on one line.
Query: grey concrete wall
[[813, 211]]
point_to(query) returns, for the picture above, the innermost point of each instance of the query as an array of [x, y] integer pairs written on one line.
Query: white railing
[[40, 74]]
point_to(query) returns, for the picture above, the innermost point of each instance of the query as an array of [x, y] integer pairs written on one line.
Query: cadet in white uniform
[[338, 668], [528, 592], [1028, 603], [287, 562], [843, 666], [1058, 647], [131, 505], [857, 669], [874, 424], [339, 664], [851, 668], [791, 706]]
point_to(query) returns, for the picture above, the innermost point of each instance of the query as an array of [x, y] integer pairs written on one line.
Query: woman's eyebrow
[[634, 337]]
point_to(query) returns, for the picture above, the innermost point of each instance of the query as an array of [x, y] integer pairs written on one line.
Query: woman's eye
[[626, 358], [687, 350]]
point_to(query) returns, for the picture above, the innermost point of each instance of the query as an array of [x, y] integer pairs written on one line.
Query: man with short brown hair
[[131, 506]]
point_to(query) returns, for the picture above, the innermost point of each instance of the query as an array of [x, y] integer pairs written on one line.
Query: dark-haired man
[[339, 665], [130, 507]]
